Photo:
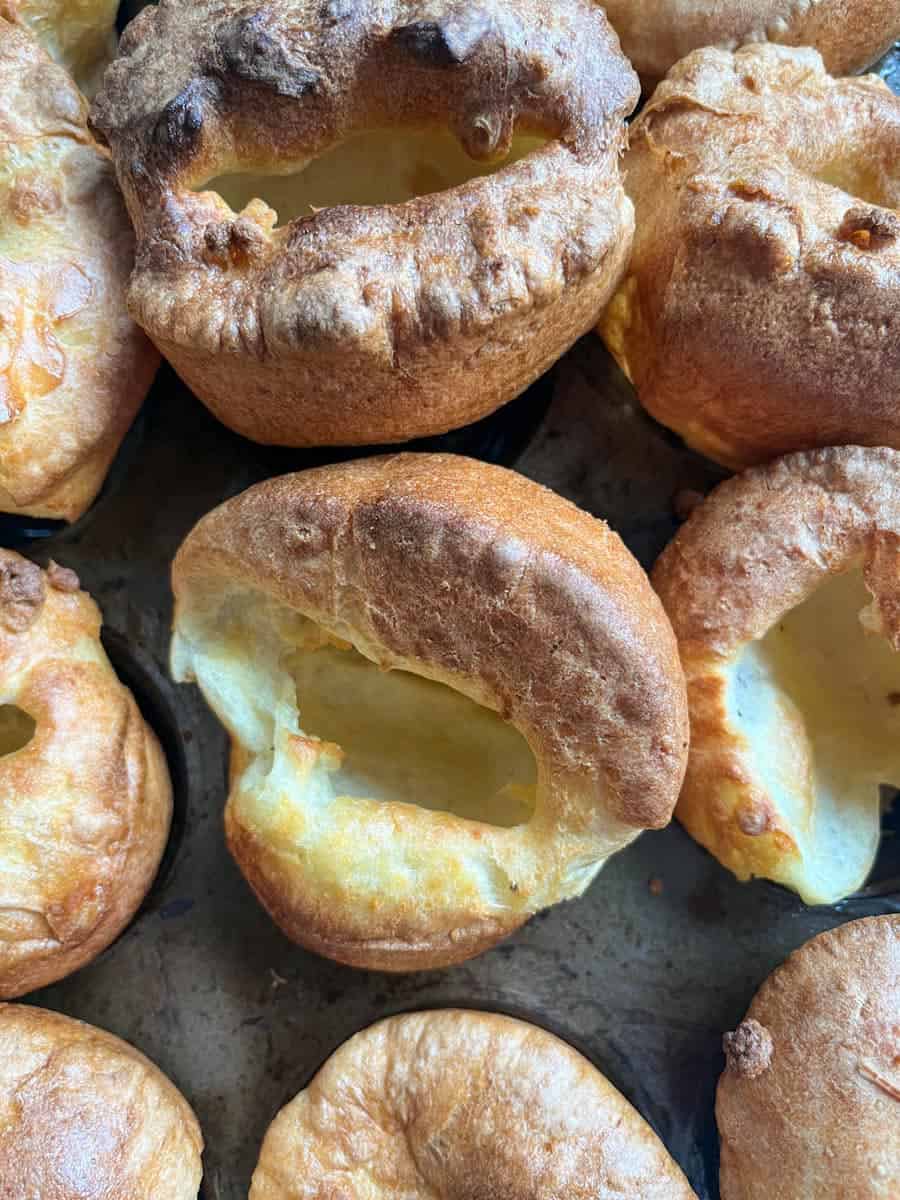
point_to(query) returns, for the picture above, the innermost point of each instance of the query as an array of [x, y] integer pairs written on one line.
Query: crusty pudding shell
[[371, 322], [84, 1116], [85, 798], [809, 1103], [451, 696], [758, 315], [74, 368], [783, 589], [849, 34], [460, 1104]]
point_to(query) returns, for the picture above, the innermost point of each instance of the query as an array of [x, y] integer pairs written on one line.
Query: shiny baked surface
[[458, 1104], [783, 591], [74, 368], [809, 1103], [84, 1116], [85, 798]]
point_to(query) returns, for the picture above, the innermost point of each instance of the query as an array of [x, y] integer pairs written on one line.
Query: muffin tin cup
[[153, 693], [595, 1054]]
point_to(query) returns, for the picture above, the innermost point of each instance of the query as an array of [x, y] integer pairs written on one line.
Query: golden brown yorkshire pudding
[[84, 1116], [78, 34], [784, 592], [809, 1104], [74, 368], [460, 1104], [451, 696], [849, 34], [419, 298], [759, 312], [85, 800]]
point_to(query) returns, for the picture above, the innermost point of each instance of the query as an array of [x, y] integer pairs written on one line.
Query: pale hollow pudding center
[[860, 180], [817, 701], [309, 706], [413, 741], [375, 168]]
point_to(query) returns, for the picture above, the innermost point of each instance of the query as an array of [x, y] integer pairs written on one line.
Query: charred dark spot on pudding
[[869, 228], [254, 53], [448, 42], [181, 121], [748, 1051]]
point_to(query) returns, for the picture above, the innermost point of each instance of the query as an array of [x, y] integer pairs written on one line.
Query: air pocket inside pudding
[[784, 592]]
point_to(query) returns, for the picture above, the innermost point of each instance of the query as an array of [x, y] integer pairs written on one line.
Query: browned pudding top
[[758, 315], [201, 86], [73, 367], [206, 90], [809, 1103], [84, 1116], [85, 799], [461, 1105]]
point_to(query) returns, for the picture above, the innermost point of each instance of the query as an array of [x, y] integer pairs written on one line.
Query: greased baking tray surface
[[642, 974]]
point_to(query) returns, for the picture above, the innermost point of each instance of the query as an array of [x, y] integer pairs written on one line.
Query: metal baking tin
[[642, 974]]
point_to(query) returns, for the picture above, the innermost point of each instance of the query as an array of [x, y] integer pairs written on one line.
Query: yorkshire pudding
[[784, 592], [849, 34], [759, 312], [84, 1116], [85, 800], [78, 34], [809, 1104], [411, 298], [73, 366], [451, 696], [462, 1104]]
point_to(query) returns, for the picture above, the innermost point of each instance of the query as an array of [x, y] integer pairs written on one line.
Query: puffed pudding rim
[[782, 589], [370, 323]]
